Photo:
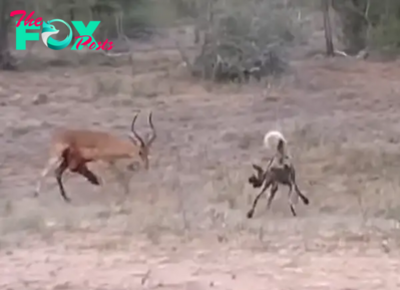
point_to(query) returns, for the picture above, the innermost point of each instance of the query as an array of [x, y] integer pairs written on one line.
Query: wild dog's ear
[[257, 168]]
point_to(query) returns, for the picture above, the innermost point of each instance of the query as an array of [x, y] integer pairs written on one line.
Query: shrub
[[242, 40], [368, 23]]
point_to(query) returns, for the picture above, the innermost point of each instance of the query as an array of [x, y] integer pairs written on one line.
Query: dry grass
[[340, 120]]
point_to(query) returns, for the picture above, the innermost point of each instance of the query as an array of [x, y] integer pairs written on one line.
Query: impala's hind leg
[[49, 166]]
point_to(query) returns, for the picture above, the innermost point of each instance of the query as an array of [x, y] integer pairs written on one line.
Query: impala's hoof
[[250, 214], [96, 181]]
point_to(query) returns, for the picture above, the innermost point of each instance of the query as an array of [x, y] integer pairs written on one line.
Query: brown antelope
[[280, 170], [73, 148]]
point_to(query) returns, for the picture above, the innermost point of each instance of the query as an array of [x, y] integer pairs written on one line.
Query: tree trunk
[[327, 27], [6, 60], [354, 24]]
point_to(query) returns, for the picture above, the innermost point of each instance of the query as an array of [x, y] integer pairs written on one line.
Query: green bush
[[245, 39], [386, 34], [366, 23]]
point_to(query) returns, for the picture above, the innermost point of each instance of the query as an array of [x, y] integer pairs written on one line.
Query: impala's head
[[143, 145]]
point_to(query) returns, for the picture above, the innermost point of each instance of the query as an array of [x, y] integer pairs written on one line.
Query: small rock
[[40, 99], [16, 97]]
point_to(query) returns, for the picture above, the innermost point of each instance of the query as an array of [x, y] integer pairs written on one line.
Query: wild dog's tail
[[275, 140]]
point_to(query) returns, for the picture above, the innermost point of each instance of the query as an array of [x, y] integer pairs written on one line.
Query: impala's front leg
[[83, 170], [78, 165]]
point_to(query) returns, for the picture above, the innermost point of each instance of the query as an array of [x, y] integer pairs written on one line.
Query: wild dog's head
[[257, 179]]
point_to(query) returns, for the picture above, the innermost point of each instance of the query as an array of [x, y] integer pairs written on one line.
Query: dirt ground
[[187, 215]]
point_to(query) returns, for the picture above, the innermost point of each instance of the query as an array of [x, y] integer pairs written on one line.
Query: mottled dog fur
[[280, 170]]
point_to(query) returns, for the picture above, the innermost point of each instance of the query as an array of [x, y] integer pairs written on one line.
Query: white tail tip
[[271, 136]]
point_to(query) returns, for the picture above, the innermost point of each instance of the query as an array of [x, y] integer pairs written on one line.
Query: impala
[[72, 149]]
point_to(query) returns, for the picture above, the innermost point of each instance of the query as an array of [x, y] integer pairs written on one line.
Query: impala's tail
[[276, 141]]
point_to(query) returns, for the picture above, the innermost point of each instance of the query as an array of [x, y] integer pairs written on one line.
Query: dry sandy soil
[[184, 225]]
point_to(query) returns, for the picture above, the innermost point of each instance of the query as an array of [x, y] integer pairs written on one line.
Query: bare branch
[[184, 57]]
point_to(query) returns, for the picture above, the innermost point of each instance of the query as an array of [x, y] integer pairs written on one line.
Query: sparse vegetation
[[369, 24], [241, 40], [187, 213]]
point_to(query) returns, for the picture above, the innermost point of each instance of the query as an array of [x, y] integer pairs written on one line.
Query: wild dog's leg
[[59, 172], [53, 161], [272, 193], [268, 166], [291, 204], [268, 182], [304, 199]]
